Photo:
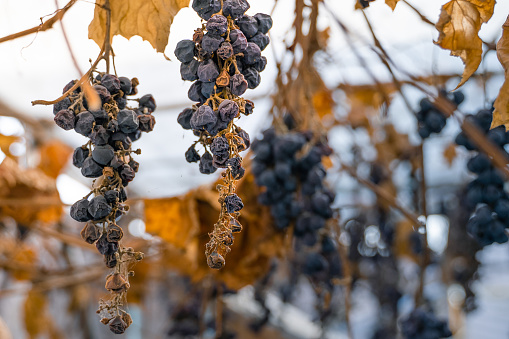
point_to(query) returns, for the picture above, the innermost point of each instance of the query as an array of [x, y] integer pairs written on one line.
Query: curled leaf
[[501, 112], [459, 25]]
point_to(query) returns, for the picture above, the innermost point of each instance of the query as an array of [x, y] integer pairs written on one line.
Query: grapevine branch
[[384, 195], [59, 14]]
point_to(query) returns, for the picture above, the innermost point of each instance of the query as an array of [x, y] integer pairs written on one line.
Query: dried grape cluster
[[289, 169], [431, 119], [421, 324], [486, 194], [223, 60], [107, 156]]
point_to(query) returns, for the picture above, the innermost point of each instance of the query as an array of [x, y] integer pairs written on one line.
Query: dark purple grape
[[184, 118], [208, 71], [185, 51], [127, 121], [147, 101], [206, 8], [79, 156], [204, 118], [111, 82], [233, 203], [103, 93], [206, 165], [217, 25], [79, 211], [252, 54], [84, 123], [225, 51], [238, 85], [264, 22], [228, 110], [62, 104], [99, 208], [248, 25], [125, 85], [91, 169], [146, 122], [238, 40], [252, 77], [189, 70], [261, 40], [65, 119], [103, 154], [235, 9], [220, 146], [192, 155]]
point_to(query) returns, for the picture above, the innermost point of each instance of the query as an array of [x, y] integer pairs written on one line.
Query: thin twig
[[424, 210], [43, 26], [75, 62], [384, 195]]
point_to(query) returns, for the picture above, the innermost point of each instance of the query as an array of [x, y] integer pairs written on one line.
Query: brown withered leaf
[[501, 112], [19, 186], [323, 103], [172, 219], [450, 153], [366, 101], [38, 322], [252, 250], [5, 143], [54, 156], [459, 24], [25, 258], [150, 20], [392, 3]]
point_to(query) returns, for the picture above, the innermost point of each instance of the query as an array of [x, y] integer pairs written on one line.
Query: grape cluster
[[421, 324], [430, 118], [290, 170], [108, 156], [222, 60], [288, 167], [486, 194]]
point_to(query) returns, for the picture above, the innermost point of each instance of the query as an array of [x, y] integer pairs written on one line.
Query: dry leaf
[[323, 103], [37, 317], [173, 219], [19, 186], [459, 25], [391, 3], [252, 250], [151, 20], [25, 258], [5, 143], [450, 154], [501, 112], [54, 156]]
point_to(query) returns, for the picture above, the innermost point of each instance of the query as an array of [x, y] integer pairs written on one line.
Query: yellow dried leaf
[[25, 258], [450, 154], [501, 112], [5, 143], [54, 156], [323, 103], [174, 219], [391, 3], [459, 25], [35, 307], [150, 20]]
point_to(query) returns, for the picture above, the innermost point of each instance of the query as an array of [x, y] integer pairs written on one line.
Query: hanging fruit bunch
[[223, 60], [108, 158]]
